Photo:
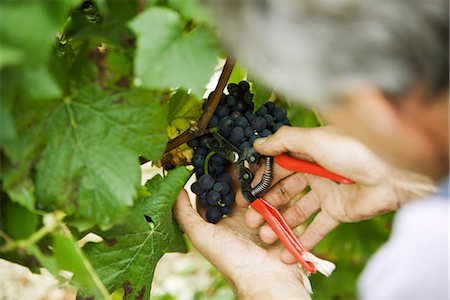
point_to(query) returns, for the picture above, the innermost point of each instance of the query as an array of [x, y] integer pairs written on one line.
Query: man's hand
[[378, 188], [255, 272]]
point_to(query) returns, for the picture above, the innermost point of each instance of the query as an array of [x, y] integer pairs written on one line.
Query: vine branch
[[199, 128]]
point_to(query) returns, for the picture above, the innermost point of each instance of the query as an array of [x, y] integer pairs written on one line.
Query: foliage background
[[87, 88]]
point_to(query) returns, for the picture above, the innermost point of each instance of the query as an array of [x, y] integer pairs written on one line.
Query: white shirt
[[414, 263]]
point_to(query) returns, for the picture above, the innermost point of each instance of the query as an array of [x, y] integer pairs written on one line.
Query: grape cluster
[[235, 120]]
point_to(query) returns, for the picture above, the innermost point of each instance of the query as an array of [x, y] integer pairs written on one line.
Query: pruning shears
[[253, 195]]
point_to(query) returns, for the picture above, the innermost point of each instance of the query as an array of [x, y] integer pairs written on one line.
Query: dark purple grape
[[237, 133], [201, 150], [235, 115], [269, 119], [244, 145], [213, 122], [262, 111], [265, 133], [228, 199], [195, 188], [252, 139], [203, 202], [225, 210], [205, 141], [277, 126], [225, 188], [216, 169], [270, 107], [194, 143], [233, 89], [285, 121], [222, 111], [213, 215], [206, 182], [248, 98], [225, 177], [218, 187], [225, 133], [231, 101], [199, 172], [250, 116], [279, 114], [226, 123], [241, 107], [213, 197], [216, 159], [248, 131], [244, 86], [241, 122], [198, 160], [259, 123]]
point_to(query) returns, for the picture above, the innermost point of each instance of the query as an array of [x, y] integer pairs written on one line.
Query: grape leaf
[[262, 93], [169, 57], [90, 164], [128, 256], [70, 257]]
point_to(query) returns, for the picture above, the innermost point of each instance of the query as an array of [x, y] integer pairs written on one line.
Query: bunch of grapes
[[235, 120]]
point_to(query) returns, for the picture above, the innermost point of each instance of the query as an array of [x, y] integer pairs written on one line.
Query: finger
[[329, 149], [314, 233], [286, 139], [279, 173], [295, 215], [189, 220], [281, 193]]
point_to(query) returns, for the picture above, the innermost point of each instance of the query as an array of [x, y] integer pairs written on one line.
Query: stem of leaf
[[206, 162], [10, 245]]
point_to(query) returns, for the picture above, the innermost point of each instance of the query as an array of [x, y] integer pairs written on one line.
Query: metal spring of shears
[[266, 179]]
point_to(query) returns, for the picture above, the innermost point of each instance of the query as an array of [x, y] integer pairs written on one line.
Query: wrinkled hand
[[255, 272], [378, 188]]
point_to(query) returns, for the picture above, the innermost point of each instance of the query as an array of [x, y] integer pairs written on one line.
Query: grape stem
[[200, 128], [206, 162]]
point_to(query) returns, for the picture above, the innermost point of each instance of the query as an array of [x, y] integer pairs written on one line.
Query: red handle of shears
[[276, 221], [295, 164]]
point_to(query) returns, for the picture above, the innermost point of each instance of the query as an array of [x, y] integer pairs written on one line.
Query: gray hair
[[314, 50]]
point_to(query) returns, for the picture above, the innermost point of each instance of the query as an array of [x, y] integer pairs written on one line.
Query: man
[[379, 72]]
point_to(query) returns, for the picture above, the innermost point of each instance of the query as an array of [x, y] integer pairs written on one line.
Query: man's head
[[378, 69]]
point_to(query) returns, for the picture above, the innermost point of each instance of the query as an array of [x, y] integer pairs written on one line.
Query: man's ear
[[367, 114]]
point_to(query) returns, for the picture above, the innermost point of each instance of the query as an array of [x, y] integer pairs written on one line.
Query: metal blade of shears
[[224, 148]]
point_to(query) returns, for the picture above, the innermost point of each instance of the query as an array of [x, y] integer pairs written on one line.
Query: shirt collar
[[444, 188]]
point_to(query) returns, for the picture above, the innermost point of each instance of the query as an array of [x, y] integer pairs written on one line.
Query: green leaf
[[184, 105], [262, 94], [19, 222], [38, 83], [23, 194], [238, 74], [168, 57], [192, 10], [128, 256], [90, 164], [10, 56], [29, 26], [70, 257], [303, 116]]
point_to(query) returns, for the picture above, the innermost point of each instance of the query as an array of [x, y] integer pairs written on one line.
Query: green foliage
[[75, 120], [164, 46], [127, 258], [86, 89]]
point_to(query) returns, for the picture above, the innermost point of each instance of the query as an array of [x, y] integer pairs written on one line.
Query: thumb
[[286, 139], [188, 218]]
